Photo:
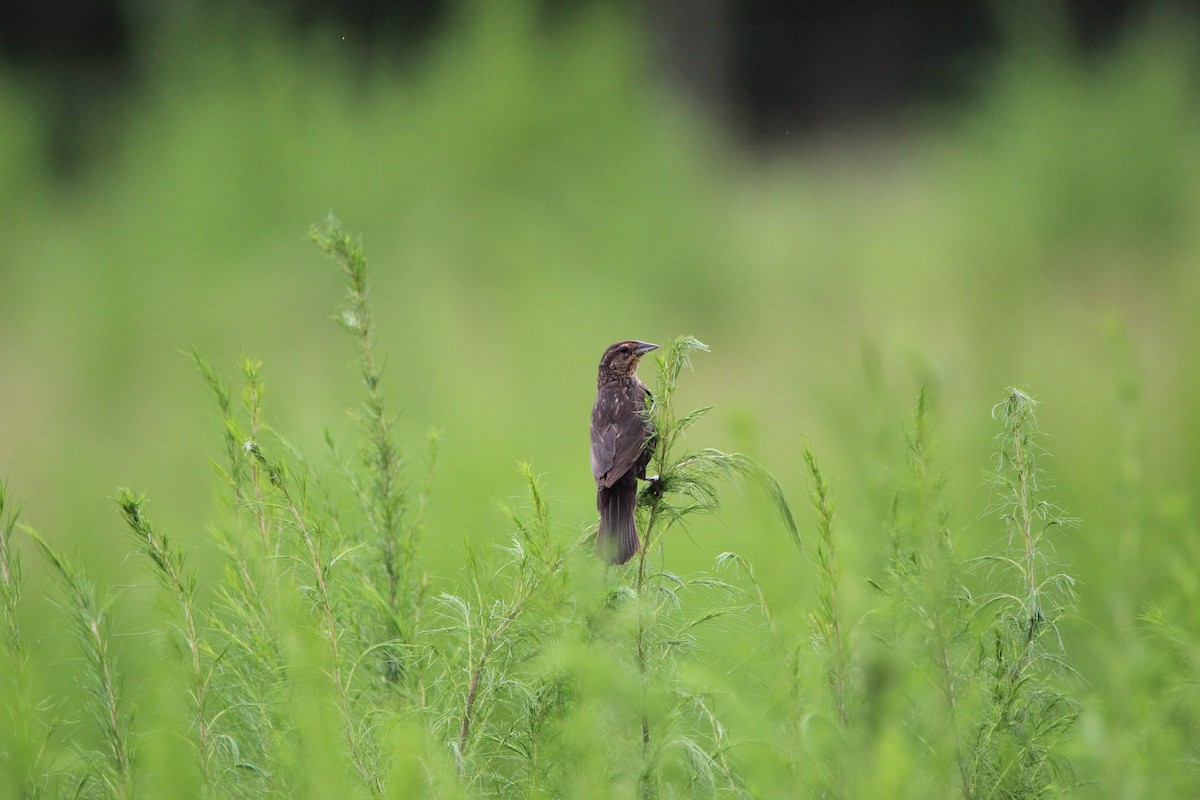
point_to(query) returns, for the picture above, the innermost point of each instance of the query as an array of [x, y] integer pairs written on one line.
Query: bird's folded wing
[[604, 447], [615, 449]]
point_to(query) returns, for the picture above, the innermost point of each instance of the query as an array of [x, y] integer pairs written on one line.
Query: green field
[[416, 611]]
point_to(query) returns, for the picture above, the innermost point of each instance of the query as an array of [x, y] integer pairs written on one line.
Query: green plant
[[1026, 714], [108, 759], [324, 661], [23, 736], [934, 612]]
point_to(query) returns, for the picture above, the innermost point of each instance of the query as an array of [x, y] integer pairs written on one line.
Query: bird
[[623, 439]]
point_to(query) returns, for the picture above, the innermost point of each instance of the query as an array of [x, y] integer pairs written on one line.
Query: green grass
[[321, 653], [318, 618]]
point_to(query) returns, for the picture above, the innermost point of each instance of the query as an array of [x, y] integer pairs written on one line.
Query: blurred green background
[[530, 190]]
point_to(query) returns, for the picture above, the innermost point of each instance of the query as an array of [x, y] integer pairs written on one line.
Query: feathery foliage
[[23, 732], [934, 610], [320, 662], [168, 563], [1015, 752], [108, 759], [382, 494], [10, 577]]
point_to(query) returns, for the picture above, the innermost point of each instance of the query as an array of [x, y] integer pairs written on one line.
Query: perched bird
[[622, 444]]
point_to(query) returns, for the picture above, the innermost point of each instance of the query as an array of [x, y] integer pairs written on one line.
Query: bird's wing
[[604, 449], [619, 435]]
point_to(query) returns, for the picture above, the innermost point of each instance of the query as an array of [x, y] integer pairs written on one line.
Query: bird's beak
[[644, 347]]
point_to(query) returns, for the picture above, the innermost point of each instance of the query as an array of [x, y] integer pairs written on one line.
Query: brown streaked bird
[[622, 444]]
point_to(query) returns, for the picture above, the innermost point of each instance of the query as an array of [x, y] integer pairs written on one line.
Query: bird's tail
[[617, 540]]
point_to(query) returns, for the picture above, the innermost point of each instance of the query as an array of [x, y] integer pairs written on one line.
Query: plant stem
[[325, 602], [90, 618], [647, 789], [485, 653], [169, 566]]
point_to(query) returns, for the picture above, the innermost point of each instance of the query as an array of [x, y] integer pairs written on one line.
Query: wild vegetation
[[321, 661], [858, 579]]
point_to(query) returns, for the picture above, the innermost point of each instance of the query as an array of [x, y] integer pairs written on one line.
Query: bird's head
[[621, 359]]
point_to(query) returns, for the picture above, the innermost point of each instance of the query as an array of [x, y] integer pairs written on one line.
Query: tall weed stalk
[[168, 563], [829, 636], [1016, 751], [511, 610], [933, 609], [109, 759], [382, 493], [24, 733]]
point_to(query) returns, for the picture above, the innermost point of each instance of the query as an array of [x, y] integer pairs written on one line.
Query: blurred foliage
[[530, 193]]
